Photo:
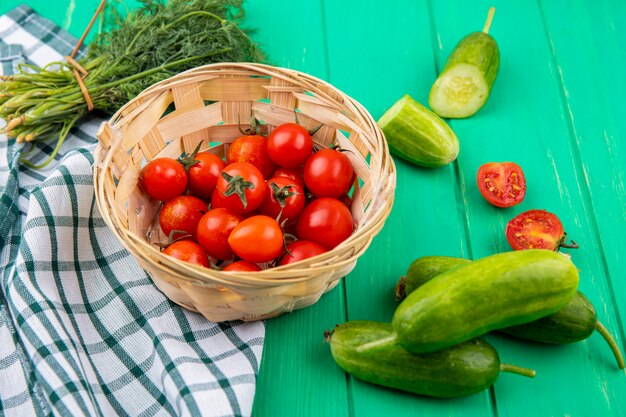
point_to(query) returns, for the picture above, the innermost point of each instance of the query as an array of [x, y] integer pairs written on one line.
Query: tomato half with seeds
[[242, 266], [164, 178], [240, 188], [328, 173], [253, 150], [289, 145], [326, 221], [182, 213], [501, 183], [213, 231], [203, 175], [285, 197], [299, 250], [257, 239], [537, 229], [187, 251]]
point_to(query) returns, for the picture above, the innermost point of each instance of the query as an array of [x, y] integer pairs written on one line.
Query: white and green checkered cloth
[[83, 331]]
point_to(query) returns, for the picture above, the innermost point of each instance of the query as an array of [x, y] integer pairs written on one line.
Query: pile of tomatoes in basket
[[274, 201]]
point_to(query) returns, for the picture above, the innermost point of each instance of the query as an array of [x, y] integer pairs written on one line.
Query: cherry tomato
[[164, 178], [301, 249], [182, 213], [289, 145], [326, 221], [502, 183], [253, 150], [213, 231], [187, 251], [240, 187], [537, 229], [285, 197], [204, 174], [295, 174], [242, 266], [257, 239], [328, 173]]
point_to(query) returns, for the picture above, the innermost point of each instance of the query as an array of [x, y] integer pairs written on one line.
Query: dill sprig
[[145, 46]]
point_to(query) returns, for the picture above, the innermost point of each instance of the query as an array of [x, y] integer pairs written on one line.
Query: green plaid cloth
[[83, 331]]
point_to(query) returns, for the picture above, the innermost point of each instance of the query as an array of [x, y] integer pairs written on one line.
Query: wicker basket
[[205, 105]]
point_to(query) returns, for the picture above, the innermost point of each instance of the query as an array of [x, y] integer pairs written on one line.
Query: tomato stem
[[190, 160], [282, 194], [237, 185], [562, 244]]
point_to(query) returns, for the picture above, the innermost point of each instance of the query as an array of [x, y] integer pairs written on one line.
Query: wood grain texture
[[557, 109]]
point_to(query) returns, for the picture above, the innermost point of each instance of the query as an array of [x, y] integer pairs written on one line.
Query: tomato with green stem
[[181, 216], [283, 197], [501, 183], [537, 229], [187, 251], [164, 178], [204, 173], [326, 221], [240, 188], [213, 231], [257, 239], [328, 173], [252, 148], [242, 266], [300, 250]]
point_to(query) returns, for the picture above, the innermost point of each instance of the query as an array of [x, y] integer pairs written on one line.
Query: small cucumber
[[573, 323], [369, 351], [423, 270], [465, 83], [418, 135], [491, 293]]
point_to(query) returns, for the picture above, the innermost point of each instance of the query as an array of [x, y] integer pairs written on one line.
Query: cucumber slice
[[465, 83], [418, 135]]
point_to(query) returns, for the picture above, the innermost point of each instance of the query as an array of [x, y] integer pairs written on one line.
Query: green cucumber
[[418, 135], [573, 323], [465, 83], [491, 293], [368, 350], [423, 270]]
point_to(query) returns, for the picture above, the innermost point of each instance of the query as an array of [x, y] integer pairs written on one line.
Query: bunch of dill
[[145, 46]]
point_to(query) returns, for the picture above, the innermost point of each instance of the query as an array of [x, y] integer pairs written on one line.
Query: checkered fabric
[[83, 331]]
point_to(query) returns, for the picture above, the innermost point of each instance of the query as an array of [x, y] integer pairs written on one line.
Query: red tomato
[[328, 173], [242, 266], [295, 174], [240, 187], [213, 231], [164, 178], [289, 145], [257, 239], [537, 229], [502, 183], [182, 213], [187, 251], [285, 197], [301, 249], [253, 150], [204, 174], [326, 221]]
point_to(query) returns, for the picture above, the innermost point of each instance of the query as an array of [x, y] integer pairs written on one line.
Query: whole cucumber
[[465, 83], [418, 135], [491, 293], [573, 323], [369, 351]]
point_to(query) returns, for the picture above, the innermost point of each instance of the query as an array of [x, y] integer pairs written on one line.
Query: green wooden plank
[[525, 121], [384, 52], [297, 375], [594, 86]]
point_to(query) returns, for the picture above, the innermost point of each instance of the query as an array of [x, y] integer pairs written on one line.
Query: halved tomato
[[537, 229], [502, 183]]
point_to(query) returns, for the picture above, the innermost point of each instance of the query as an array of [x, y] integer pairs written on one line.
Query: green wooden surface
[[557, 109]]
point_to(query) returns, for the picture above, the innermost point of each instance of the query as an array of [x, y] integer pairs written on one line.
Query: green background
[[557, 109]]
